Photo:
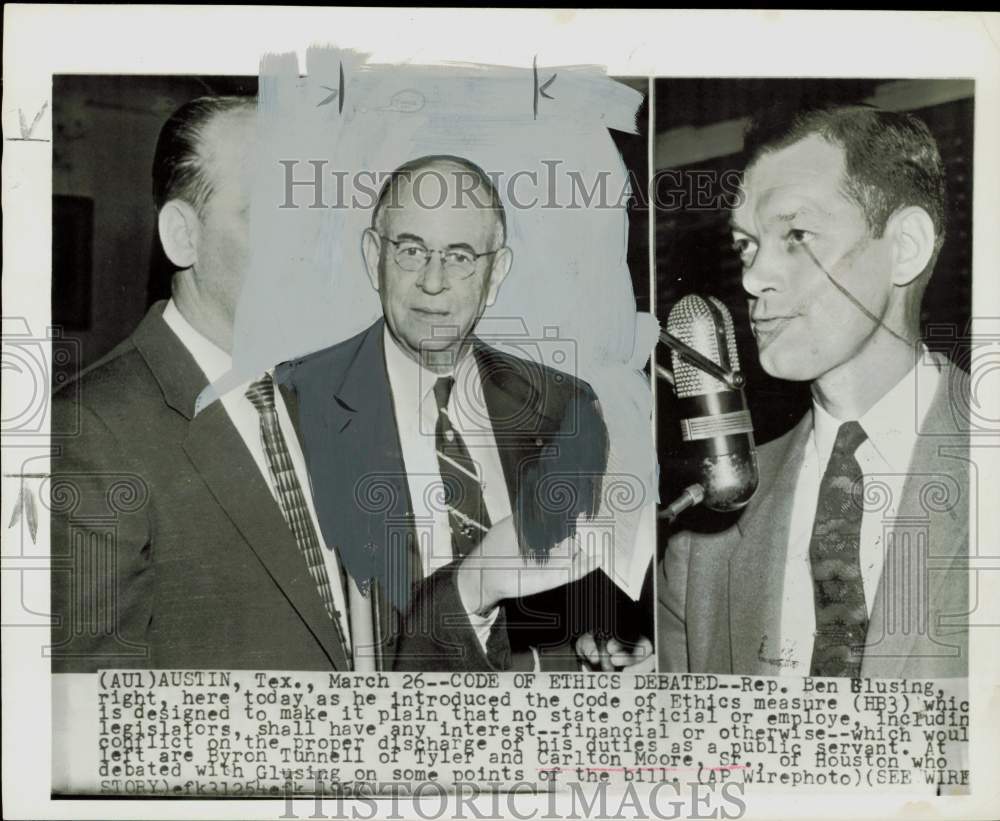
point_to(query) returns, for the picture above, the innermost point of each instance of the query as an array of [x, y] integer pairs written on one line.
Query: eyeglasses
[[414, 256]]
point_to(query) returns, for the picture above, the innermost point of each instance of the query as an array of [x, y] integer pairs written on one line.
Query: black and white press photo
[[512, 413]]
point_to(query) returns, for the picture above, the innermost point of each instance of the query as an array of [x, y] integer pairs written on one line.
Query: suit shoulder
[[121, 356], [948, 412], [771, 455], [578, 385], [109, 414], [120, 380], [554, 382], [334, 358]]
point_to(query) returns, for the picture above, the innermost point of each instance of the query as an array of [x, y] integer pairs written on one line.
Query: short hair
[[408, 171], [179, 170], [892, 160]]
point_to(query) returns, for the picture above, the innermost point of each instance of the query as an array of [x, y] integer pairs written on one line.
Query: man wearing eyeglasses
[[426, 446]]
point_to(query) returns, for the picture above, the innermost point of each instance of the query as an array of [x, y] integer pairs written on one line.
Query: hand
[[615, 654], [495, 570]]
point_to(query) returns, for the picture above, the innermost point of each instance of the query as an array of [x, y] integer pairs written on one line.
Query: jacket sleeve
[[671, 627], [101, 548], [437, 635]]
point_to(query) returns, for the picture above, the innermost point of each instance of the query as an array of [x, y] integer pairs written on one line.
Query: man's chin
[[785, 366], [437, 345], [441, 351]]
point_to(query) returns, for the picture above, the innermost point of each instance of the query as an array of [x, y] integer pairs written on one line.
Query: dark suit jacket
[[168, 548], [720, 595], [547, 424]]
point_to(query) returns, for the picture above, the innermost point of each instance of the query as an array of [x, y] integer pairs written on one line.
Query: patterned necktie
[[467, 514], [290, 497], [838, 589]]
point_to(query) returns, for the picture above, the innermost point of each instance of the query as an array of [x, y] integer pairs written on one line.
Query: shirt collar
[[213, 361], [407, 377], [891, 425]]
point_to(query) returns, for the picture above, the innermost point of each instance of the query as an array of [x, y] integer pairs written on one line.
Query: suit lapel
[[933, 505], [347, 426], [514, 409], [221, 458], [757, 566], [175, 370], [219, 454]]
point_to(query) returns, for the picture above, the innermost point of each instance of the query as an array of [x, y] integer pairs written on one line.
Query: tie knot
[[261, 393], [442, 391], [850, 435]]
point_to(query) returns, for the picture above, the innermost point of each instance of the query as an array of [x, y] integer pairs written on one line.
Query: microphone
[[715, 419]]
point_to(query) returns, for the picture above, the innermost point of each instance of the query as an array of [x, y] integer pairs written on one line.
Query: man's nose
[[767, 271], [433, 279]]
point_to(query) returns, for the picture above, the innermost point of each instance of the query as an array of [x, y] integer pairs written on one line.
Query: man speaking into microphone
[[838, 227]]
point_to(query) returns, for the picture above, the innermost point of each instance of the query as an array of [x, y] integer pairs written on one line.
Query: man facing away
[[183, 540]]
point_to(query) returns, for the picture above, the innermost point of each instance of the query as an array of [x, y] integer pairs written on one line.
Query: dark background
[[699, 126]]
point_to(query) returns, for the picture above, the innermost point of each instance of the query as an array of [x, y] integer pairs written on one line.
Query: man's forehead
[[437, 200], [811, 170], [443, 183]]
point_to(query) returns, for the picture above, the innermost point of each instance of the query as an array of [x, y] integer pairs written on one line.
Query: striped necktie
[[467, 514], [838, 589], [291, 499]]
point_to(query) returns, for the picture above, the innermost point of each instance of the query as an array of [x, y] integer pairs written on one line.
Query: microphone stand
[[692, 494]]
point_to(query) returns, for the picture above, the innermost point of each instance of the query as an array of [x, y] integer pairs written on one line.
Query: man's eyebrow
[[461, 246], [790, 215], [806, 209], [410, 237]]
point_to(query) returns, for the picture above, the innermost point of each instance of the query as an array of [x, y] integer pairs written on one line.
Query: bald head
[[440, 182]]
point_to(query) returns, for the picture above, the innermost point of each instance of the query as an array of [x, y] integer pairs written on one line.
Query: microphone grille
[[704, 324]]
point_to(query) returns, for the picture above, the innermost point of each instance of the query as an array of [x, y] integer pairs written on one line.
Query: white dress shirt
[[891, 426], [215, 362], [416, 410]]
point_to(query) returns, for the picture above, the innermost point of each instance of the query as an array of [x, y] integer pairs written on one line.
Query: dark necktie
[[467, 514], [290, 497], [838, 589]]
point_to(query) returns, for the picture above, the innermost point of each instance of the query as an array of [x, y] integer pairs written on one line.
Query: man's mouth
[[766, 328], [430, 312]]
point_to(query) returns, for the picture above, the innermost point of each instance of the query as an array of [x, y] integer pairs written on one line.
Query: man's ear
[[371, 250], [179, 229], [912, 230], [502, 261]]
